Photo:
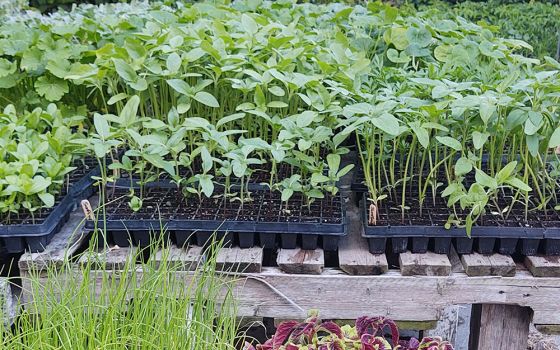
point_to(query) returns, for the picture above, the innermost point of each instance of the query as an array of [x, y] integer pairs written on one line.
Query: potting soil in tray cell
[[423, 231], [262, 220]]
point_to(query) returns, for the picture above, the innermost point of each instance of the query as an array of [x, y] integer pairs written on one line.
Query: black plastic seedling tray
[[81, 179], [436, 238], [264, 222], [35, 237], [26, 235]]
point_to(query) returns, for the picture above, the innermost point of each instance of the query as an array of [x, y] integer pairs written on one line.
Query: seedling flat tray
[[22, 234], [34, 237], [264, 221], [81, 179], [484, 239]]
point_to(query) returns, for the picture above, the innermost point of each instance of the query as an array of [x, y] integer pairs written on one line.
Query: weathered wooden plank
[[426, 264], [273, 293], [298, 261], [239, 260], [476, 264], [543, 266], [353, 254], [111, 258], [186, 259], [503, 327], [65, 243]]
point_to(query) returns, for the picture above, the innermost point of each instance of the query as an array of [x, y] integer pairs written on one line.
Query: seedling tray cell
[[264, 220], [435, 237]]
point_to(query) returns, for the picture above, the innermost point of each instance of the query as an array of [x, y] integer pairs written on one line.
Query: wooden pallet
[[413, 287]]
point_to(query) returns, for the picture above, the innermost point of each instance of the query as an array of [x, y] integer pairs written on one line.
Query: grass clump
[[145, 305]]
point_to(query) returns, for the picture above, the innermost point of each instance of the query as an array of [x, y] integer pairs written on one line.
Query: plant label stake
[[86, 208], [373, 210]]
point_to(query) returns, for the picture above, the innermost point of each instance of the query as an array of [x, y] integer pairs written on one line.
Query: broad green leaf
[[431, 125], [230, 118], [249, 24], [515, 182], [506, 172], [450, 142], [530, 127], [318, 178], [487, 109], [276, 91], [130, 111], [399, 38], [533, 144], [479, 139], [516, 118], [421, 134], [7, 67], [124, 70], [206, 184], [443, 53], [440, 91], [51, 88], [139, 85], [304, 144], [387, 123], [305, 119], [396, 57], [47, 199], [180, 86], [333, 160], [419, 36], [117, 98], [32, 60], [207, 161], [173, 63], [277, 104], [101, 126], [287, 194], [451, 188], [463, 166], [135, 48], [207, 99], [154, 124], [554, 140], [485, 180], [59, 68], [161, 163]]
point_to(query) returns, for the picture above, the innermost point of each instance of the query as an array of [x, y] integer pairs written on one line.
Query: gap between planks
[[354, 257]]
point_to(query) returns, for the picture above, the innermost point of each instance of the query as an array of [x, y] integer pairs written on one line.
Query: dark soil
[[435, 211], [263, 206]]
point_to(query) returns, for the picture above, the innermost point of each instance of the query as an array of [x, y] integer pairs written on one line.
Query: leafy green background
[[534, 22]]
